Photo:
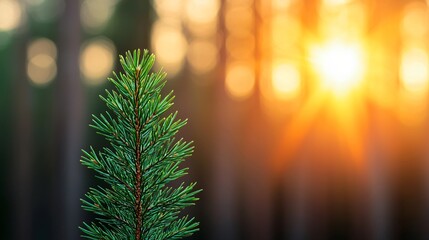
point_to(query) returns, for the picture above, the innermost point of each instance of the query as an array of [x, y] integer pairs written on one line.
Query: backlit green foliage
[[141, 161]]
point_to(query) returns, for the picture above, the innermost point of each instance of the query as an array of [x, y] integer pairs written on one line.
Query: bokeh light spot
[[10, 15], [41, 46], [414, 70], [95, 14], [202, 11], [170, 47], [335, 2], [282, 4], [97, 60], [41, 65], [202, 56], [239, 20], [240, 81], [286, 80]]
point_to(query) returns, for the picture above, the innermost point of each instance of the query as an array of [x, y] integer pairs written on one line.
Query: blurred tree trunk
[[378, 179], [254, 142], [69, 112], [223, 193], [23, 152]]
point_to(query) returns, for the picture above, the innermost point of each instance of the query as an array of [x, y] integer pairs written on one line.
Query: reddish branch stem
[[138, 182]]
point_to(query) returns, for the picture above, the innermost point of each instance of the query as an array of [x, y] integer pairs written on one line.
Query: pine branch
[[141, 161]]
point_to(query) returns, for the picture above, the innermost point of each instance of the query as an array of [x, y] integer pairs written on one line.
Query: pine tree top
[[142, 160]]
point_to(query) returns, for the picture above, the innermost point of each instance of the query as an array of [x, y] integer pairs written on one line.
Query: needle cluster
[[142, 161]]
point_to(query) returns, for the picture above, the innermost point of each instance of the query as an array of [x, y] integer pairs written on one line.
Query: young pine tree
[[142, 159]]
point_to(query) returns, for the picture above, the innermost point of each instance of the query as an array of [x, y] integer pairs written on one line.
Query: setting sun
[[339, 66]]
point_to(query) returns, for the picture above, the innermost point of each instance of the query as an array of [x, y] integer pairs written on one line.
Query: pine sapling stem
[[138, 182]]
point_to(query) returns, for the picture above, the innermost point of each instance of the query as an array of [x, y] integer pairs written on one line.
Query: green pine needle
[[142, 159]]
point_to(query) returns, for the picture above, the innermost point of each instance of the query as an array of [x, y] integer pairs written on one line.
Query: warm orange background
[[310, 117]]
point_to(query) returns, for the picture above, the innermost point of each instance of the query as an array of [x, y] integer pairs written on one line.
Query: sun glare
[[339, 66]]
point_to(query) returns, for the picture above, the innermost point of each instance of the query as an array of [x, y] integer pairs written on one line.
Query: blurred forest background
[[309, 116]]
